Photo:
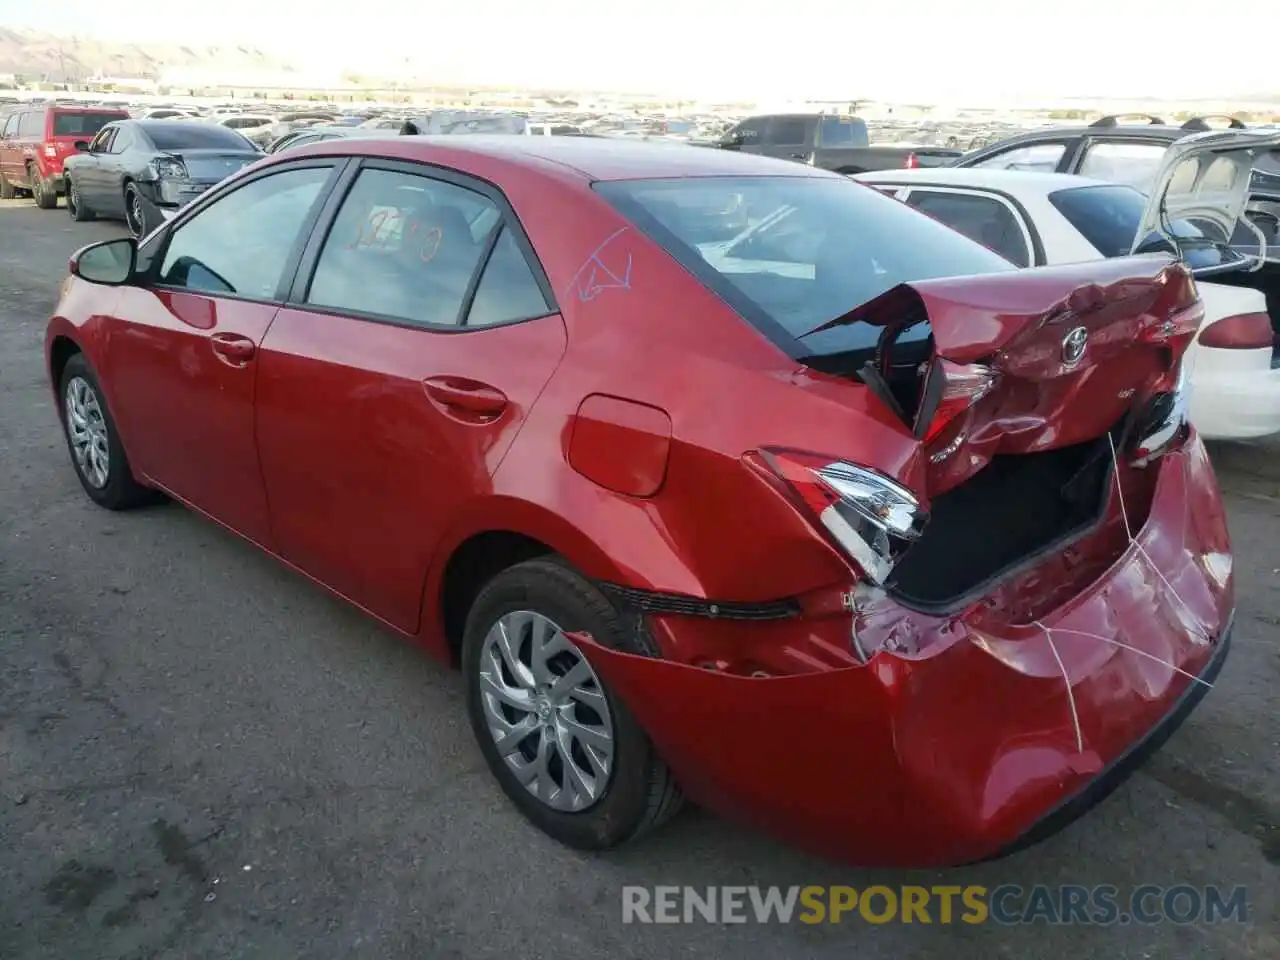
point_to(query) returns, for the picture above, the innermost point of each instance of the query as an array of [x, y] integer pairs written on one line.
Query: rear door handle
[[471, 396], [233, 349]]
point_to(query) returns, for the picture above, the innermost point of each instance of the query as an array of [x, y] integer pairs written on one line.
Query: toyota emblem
[[1073, 345]]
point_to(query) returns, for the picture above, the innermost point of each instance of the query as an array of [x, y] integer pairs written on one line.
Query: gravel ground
[[203, 755]]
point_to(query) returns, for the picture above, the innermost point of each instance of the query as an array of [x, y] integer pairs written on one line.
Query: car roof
[[594, 158], [1008, 181]]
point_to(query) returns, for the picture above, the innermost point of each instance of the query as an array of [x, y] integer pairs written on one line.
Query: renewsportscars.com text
[[1007, 904]]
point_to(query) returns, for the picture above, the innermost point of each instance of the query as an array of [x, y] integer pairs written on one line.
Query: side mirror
[[110, 262], [82, 146]]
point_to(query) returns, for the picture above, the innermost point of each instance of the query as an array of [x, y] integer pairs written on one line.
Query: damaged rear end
[[1036, 596]]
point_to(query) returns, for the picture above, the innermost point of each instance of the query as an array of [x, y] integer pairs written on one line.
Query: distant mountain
[[57, 58]]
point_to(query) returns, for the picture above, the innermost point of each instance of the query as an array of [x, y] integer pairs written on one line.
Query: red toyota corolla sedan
[[718, 476]]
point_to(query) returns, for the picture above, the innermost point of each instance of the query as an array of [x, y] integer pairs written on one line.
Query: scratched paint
[[607, 268]]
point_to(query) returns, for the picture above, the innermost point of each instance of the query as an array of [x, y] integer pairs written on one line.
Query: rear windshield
[[82, 124], [1109, 217], [790, 253], [170, 136]]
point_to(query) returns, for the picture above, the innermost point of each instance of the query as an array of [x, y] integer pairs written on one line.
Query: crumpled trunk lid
[[1035, 360]]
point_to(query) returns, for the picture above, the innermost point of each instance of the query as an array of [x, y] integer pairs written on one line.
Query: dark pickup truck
[[831, 141]]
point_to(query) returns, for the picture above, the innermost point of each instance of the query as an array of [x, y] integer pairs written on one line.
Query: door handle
[[232, 348], [471, 396]]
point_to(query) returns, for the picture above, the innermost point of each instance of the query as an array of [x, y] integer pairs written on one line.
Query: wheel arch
[[493, 535]]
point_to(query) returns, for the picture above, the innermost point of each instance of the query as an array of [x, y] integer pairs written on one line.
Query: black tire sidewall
[[121, 489], [76, 207], [141, 230], [554, 590]]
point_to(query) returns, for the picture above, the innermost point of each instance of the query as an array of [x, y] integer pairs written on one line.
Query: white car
[[1038, 219]]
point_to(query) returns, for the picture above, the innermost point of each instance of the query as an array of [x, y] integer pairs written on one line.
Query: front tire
[[563, 747], [94, 443]]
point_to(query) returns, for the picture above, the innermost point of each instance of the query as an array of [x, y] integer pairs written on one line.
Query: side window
[[11, 126], [751, 131], [507, 290], [1041, 157], [31, 124], [1117, 162], [984, 219], [787, 131], [102, 142], [121, 142], [401, 247], [240, 243]]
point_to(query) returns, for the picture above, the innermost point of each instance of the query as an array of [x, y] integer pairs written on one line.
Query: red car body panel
[[953, 755], [619, 432]]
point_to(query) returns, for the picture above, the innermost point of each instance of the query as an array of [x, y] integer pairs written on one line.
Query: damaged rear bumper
[[973, 747]]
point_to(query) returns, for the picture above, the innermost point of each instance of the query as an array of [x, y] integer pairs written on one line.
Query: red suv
[[34, 141]]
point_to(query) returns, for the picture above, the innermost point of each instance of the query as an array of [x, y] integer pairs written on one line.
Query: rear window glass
[[790, 253], [82, 124], [167, 135], [1110, 216]]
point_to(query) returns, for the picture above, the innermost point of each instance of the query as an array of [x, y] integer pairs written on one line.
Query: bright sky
[[929, 50]]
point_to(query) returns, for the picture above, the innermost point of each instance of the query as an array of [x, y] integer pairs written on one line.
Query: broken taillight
[[1162, 425], [871, 518], [949, 390]]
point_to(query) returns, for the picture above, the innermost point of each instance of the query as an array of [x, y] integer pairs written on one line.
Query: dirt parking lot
[[203, 755]]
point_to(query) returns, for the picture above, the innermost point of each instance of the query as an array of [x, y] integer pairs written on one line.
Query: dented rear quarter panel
[[952, 755]]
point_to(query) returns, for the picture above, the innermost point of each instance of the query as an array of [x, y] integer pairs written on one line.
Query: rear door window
[[401, 247], [986, 219], [1119, 161], [787, 132], [508, 290], [1038, 157], [32, 124]]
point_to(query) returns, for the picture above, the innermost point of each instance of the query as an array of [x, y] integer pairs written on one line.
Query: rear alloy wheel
[[94, 444], [135, 212], [563, 747], [75, 204], [42, 191]]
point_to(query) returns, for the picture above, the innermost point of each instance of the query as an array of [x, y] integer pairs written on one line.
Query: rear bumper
[[1129, 762], [989, 739]]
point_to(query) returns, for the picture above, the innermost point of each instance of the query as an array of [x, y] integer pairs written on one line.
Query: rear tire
[[637, 793], [7, 189], [42, 191], [94, 443]]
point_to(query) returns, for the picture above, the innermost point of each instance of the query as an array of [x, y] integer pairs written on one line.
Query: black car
[[144, 171]]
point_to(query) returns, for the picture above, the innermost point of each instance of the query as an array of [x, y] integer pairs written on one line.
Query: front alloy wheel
[[94, 442], [546, 712], [88, 433]]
